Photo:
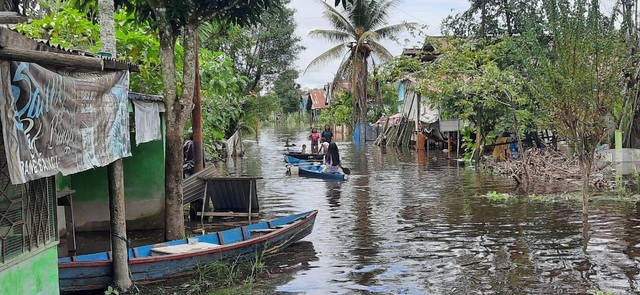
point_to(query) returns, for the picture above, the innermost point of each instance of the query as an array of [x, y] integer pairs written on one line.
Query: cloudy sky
[[309, 17]]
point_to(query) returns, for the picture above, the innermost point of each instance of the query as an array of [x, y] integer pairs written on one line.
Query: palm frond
[[378, 12], [331, 35], [380, 51], [337, 20], [330, 54], [390, 31], [344, 70]]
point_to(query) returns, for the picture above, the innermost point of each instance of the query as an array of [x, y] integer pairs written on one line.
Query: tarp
[[235, 148], [61, 122]]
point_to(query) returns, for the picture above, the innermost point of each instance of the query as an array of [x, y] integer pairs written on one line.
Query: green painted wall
[[144, 190], [37, 274]]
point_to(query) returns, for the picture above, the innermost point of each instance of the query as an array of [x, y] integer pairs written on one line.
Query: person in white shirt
[[323, 146]]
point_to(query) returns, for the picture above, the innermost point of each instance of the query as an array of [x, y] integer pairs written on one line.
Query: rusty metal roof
[[12, 39], [318, 99]]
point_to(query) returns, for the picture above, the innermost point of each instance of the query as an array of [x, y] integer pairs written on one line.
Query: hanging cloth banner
[[61, 122]]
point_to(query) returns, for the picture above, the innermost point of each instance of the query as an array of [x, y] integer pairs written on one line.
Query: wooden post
[[196, 120], [250, 197], [458, 138], [118, 226], [300, 113], [52, 58], [449, 145], [204, 203], [115, 170]]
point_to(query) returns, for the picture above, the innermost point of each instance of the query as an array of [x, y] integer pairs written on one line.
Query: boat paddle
[[346, 170]]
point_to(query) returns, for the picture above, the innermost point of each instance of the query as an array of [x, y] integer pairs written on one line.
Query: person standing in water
[[315, 139], [332, 162], [327, 134]]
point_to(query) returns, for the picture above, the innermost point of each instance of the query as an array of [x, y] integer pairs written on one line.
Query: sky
[[309, 17]]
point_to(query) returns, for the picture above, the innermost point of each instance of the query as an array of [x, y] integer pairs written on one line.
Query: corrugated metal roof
[[233, 193], [11, 38], [145, 97], [193, 187], [318, 99]]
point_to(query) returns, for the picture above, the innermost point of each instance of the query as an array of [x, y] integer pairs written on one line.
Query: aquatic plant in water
[[494, 196]]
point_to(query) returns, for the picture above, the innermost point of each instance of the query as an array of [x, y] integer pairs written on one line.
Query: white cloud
[[309, 17]]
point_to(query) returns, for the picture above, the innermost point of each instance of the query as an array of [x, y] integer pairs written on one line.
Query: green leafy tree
[[580, 78], [70, 28], [287, 91], [357, 30], [496, 18], [340, 111], [263, 52], [222, 91], [183, 18], [472, 80]]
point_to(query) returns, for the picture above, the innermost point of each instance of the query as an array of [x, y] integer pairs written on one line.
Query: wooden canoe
[[313, 157], [311, 169], [162, 261]]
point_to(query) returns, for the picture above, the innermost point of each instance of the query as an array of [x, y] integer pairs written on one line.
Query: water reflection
[[410, 222]]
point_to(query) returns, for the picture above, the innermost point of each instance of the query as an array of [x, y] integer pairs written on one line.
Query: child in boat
[[324, 146], [332, 159], [304, 149], [315, 138]]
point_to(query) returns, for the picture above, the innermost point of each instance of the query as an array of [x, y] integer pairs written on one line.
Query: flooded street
[[409, 223]]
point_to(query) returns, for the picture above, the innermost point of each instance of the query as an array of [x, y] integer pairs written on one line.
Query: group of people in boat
[[322, 143]]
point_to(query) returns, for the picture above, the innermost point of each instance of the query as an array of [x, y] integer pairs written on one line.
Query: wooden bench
[[183, 248]]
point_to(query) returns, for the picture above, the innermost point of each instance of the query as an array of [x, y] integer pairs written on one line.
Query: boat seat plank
[[265, 230], [184, 248]]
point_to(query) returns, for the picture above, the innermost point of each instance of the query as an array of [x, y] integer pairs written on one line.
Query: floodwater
[[415, 223]]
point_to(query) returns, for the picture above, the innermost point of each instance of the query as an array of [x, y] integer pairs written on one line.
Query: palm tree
[[358, 29]]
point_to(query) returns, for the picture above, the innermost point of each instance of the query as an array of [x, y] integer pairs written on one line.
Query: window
[[27, 214]]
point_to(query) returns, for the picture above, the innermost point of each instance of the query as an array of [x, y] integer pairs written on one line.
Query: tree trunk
[[507, 16], [107, 28], [483, 19], [585, 165], [115, 171], [360, 74], [174, 220]]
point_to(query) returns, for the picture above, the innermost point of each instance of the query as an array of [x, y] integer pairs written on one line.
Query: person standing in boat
[[304, 149], [332, 162], [324, 146], [315, 139], [327, 134]]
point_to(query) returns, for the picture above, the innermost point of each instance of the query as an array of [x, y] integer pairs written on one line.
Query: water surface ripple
[[413, 223]]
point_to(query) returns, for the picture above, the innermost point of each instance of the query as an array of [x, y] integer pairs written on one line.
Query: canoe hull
[[312, 157], [316, 172], [308, 169], [91, 275]]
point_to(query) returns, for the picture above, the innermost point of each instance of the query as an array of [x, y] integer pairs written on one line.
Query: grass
[[238, 277]]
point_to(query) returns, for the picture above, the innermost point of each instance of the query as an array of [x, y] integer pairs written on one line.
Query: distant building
[[318, 99], [431, 49], [316, 102]]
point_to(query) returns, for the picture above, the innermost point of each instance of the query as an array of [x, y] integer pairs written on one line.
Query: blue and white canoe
[[311, 169], [177, 258], [306, 157]]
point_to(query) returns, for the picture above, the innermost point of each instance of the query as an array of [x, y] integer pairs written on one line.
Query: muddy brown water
[[414, 223]]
